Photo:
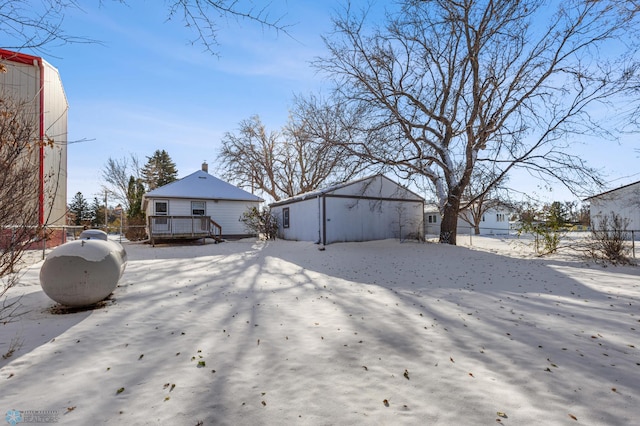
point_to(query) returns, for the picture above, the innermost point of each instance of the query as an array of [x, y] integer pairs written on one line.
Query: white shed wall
[[304, 220], [377, 187], [365, 219], [624, 202]]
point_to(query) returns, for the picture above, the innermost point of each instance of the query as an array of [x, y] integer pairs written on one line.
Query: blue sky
[[146, 87]]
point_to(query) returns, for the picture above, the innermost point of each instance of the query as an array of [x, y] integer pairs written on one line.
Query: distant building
[[494, 221], [623, 201], [197, 206], [372, 208], [31, 79]]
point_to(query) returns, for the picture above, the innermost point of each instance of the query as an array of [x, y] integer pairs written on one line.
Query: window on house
[[161, 208], [285, 217], [198, 208], [432, 218], [500, 217], [483, 218]]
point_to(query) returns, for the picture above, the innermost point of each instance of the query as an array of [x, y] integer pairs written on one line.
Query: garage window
[[285, 217]]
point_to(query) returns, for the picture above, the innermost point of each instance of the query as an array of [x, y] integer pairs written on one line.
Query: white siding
[[366, 219], [228, 213], [224, 212], [368, 209], [22, 81], [55, 157], [378, 187], [624, 202], [491, 225], [304, 220]]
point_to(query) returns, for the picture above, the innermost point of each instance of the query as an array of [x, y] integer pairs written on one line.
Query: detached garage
[[373, 208]]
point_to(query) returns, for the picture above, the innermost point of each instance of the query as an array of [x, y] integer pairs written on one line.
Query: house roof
[[612, 190], [201, 185], [336, 187]]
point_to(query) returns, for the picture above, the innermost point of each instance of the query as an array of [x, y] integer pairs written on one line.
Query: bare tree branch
[[117, 173], [26, 24], [299, 158], [203, 17], [35, 25]]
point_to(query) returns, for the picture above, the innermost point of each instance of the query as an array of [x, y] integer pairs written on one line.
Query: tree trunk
[[449, 224], [476, 229]]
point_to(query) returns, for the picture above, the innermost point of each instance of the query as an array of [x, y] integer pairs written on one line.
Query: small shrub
[[260, 222], [608, 239], [547, 236]]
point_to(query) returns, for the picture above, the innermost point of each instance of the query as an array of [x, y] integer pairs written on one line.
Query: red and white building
[[33, 80]]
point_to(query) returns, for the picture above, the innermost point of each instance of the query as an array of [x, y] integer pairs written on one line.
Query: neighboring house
[[33, 80], [494, 221], [623, 201], [197, 206], [372, 208]]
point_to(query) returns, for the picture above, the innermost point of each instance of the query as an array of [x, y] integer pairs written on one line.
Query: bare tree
[[34, 25], [18, 182], [288, 162], [19, 211], [448, 85], [117, 173]]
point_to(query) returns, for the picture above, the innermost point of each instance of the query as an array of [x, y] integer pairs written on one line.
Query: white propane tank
[[83, 272]]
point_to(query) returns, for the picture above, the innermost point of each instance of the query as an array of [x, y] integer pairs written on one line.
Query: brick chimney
[[205, 167]]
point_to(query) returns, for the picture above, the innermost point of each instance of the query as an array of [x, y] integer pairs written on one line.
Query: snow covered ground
[[381, 333]]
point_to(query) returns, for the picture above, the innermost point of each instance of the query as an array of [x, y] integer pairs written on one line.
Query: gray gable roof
[[402, 192], [610, 191], [201, 185]]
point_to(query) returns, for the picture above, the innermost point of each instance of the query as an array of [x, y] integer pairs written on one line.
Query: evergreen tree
[[556, 214], [159, 170], [80, 208], [135, 216], [97, 213], [134, 195]]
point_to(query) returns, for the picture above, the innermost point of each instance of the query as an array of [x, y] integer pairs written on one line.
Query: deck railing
[[177, 227]]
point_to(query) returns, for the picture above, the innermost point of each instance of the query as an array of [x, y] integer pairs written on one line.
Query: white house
[[371, 208], [623, 201], [198, 205], [31, 79], [494, 221]]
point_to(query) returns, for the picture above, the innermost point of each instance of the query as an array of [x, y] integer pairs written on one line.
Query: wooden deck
[[182, 227]]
